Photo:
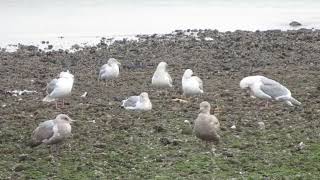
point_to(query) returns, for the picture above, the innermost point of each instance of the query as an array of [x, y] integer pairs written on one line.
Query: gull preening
[[265, 88], [206, 126], [59, 88], [191, 85], [109, 71], [139, 103], [161, 77], [52, 132]]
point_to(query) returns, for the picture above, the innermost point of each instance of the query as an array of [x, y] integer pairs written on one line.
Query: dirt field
[[154, 147]]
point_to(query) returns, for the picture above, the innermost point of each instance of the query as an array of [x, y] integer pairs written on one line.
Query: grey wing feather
[[199, 81], [170, 79], [131, 101], [51, 86], [273, 88], [42, 132]]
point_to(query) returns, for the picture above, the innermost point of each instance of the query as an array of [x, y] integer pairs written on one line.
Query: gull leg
[[106, 84], [56, 102], [63, 103]]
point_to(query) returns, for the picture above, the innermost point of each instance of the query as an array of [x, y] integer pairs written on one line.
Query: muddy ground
[[154, 147]]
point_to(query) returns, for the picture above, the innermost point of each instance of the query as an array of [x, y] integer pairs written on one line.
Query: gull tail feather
[[294, 101], [48, 99]]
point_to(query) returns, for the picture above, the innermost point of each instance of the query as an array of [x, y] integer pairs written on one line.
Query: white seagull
[[109, 71], [265, 88], [139, 103], [161, 77], [191, 85], [59, 88]]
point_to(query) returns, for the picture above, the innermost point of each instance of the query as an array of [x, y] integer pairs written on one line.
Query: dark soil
[[154, 147]]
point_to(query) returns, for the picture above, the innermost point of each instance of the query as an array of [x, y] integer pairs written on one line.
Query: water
[[84, 21]]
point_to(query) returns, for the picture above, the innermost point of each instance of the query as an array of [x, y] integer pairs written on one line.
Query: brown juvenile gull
[[59, 88], [161, 77], [52, 132], [265, 88], [109, 71], [191, 85], [206, 126]]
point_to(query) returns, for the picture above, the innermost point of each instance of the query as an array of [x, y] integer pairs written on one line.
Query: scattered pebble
[[300, 146], [84, 94], [19, 92], [261, 125], [233, 127], [208, 39]]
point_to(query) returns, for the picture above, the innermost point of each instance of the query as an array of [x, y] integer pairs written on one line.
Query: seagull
[[161, 78], [52, 132], [206, 126], [265, 88], [109, 71], [139, 103], [59, 88], [191, 85]]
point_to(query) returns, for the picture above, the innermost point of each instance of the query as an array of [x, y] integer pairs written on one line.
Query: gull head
[[187, 73], [112, 61], [246, 82], [64, 117], [205, 107], [144, 96], [66, 74], [162, 65]]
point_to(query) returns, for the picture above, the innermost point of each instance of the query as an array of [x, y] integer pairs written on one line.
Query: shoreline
[[67, 42]]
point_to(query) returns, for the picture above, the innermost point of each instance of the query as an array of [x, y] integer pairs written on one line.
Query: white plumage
[[265, 88], [109, 71], [59, 88], [161, 77], [191, 85], [140, 103]]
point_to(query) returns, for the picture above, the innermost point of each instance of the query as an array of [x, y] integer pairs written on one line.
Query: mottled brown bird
[[206, 126], [52, 132]]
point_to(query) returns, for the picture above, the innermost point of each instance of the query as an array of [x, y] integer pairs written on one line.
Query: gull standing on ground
[[191, 85], [206, 126], [265, 88], [161, 77], [109, 71], [52, 132], [59, 88]]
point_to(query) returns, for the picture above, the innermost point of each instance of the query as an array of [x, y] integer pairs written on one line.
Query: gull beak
[[71, 120]]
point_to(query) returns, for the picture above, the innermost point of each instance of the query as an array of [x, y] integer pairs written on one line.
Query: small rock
[[84, 94], [164, 141], [295, 24], [100, 145], [19, 167], [300, 146], [233, 127], [23, 157], [261, 125], [158, 128], [176, 142], [186, 128]]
